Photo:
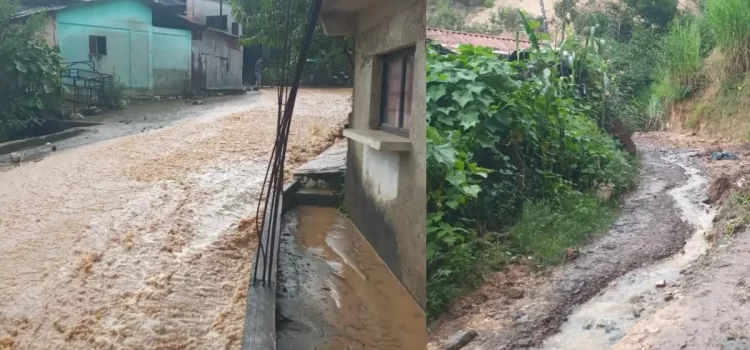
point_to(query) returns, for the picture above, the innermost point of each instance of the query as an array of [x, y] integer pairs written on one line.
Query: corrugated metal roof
[[452, 39], [32, 10]]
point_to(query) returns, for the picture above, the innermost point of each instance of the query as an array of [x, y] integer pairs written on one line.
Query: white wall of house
[[198, 10]]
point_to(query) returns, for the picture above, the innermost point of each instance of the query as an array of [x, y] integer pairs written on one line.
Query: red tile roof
[[451, 39]]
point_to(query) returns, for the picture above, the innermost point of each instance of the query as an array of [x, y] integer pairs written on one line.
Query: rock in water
[[15, 158], [717, 188], [515, 293], [54, 148], [460, 340]]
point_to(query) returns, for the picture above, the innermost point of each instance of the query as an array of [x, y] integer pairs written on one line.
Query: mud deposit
[[652, 227], [133, 242], [335, 292]]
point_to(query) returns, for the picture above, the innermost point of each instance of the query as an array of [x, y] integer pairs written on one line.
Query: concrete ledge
[[14, 146], [259, 331], [379, 140], [317, 197]]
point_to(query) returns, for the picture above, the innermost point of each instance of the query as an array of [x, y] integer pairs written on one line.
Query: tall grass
[[730, 23], [681, 62]]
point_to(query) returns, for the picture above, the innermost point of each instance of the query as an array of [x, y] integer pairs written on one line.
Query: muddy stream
[[604, 319], [593, 301]]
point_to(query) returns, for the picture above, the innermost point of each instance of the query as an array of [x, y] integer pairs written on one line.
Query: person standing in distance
[[258, 72]]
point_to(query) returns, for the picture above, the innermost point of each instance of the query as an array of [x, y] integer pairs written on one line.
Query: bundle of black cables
[[269, 209]]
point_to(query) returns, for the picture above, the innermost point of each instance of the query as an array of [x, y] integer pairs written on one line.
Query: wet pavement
[[133, 241], [335, 292], [140, 117]]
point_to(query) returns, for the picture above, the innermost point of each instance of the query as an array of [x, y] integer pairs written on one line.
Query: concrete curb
[[14, 146], [259, 331]]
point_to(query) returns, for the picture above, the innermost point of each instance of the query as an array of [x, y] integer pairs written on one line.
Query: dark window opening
[[97, 45], [236, 29], [218, 22], [396, 95]]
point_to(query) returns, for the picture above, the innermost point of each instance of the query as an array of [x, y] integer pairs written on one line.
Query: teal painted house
[[148, 48]]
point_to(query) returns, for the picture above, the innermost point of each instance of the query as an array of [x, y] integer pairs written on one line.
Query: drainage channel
[[603, 320]]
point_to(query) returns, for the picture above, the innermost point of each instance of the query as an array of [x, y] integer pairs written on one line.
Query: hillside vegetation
[[709, 95]]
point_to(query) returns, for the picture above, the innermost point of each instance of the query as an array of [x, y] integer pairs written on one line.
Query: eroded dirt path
[[134, 242], [596, 299]]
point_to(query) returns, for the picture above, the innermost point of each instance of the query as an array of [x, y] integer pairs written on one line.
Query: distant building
[[146, 46], [500, 44], [214, 13]]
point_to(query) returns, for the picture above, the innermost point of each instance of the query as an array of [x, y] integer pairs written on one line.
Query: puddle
[[338, 294], [603, 320]]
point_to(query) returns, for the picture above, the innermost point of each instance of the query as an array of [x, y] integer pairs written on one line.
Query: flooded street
[[134, 242]]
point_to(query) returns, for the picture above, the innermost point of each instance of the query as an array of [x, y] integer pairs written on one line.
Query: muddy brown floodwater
[[133, 242]]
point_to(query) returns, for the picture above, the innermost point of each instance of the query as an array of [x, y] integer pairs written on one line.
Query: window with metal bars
[[97, 45], [397, 91], [218, 22]]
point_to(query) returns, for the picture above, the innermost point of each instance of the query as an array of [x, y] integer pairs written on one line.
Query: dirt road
[[612, 295], [133, 242]]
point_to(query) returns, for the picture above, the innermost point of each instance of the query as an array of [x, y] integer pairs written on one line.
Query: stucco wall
[[133, 44], [171, 59], [386, 191]]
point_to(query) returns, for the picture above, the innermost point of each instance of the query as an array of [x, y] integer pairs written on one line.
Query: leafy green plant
[[30, 69], [112, 96], [501, 134], [730, 24]]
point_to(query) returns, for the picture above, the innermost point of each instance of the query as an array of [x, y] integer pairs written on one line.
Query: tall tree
[[330, 58]]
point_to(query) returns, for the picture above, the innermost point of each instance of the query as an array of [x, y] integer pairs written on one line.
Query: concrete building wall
[[386, 191], [198, 10], [133, 45], [171, 59]]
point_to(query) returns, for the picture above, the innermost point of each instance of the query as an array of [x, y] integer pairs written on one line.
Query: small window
[[236, 29], [97, 45], [397, 91], [218, 22]]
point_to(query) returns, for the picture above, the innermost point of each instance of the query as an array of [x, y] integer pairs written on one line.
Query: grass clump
[[547, 228], [681, 62], [730, 23]]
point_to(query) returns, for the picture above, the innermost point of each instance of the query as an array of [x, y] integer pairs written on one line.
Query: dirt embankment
[[133, 242]]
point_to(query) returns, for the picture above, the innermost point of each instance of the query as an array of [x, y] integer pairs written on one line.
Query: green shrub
[[548, 227], [681, 62], [112, 97], [538, 132], [30, 83], [730, 23]]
